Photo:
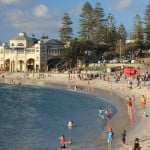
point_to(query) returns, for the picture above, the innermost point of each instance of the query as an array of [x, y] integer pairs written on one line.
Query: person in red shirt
[[62, 142]]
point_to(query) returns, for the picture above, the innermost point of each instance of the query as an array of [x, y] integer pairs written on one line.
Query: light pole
[[120, 49]]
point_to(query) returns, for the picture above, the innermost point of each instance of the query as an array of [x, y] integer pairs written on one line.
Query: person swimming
[[70, 124], [107, 113], [101, 112]]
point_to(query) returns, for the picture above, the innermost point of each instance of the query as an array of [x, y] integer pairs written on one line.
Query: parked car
[[126, 61], [113, 61]]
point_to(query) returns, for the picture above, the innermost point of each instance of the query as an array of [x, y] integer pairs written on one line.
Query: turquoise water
[[33, 118]]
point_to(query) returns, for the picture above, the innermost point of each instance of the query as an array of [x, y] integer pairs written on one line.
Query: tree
[[110, 33], [122, 34], [66, 29], [86, 22], [98, 24], [147, 26], [77, 50], [138, 32], [121, 39]]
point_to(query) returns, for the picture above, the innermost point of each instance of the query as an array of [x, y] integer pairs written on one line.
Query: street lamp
[[120, 49]]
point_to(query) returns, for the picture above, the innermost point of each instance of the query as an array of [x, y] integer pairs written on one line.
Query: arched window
[[20, 44], [12, 44]]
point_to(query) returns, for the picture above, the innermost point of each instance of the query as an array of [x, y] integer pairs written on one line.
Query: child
[[101, 112], [123, 137], [63, 142], [110, 138]]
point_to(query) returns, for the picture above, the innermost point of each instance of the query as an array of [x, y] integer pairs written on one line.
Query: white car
[[113, 61], [125, 61]]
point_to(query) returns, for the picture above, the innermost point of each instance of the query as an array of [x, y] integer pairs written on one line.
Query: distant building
[[130, 41], [25, 53]]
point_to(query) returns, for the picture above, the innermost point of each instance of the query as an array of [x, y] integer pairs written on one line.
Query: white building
[[128, 41], [24, 53]]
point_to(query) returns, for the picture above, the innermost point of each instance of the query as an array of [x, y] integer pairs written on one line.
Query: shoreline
[[119, 96]]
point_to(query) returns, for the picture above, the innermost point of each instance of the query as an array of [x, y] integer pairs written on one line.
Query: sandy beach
[[137, 126]]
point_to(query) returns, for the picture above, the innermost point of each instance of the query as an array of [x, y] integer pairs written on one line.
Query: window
[[20, 44], [12, 44], [43, 58], [43, 51]]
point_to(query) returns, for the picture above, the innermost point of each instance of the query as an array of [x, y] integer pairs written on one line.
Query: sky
[[44, 17]]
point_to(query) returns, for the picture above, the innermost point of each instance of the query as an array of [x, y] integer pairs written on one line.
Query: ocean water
[[33, 118]]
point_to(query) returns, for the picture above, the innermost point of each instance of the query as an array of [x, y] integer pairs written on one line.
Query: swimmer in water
[[101, 112], [70, 124], [107, 113]]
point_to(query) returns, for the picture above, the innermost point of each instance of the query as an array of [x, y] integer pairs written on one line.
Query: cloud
[[18, 2], [123, 4], [41, 11], [39, 20], [9, 1]]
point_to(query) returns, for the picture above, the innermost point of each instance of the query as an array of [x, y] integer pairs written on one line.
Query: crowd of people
[[131, 110]]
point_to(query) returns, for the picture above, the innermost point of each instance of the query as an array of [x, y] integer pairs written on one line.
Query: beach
[[137, 126]]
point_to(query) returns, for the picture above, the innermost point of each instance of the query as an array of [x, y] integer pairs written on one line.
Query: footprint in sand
[[148, 144]]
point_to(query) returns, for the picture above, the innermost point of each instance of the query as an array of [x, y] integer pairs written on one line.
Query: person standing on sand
[[110, 138], [110, 135], [124, 137], [143, 102], [129, 105]]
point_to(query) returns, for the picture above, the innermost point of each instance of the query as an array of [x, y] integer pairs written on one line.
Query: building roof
[[51, 42], [35, 40], [23, 36]]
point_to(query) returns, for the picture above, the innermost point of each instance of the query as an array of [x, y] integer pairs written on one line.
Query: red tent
[[130, 71]]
